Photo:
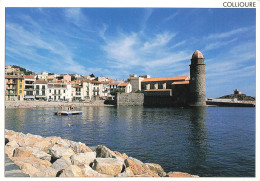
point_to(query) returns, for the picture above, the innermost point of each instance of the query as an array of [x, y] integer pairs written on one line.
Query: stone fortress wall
[[129, 99]]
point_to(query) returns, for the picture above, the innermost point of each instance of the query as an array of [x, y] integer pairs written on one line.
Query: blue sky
[[115, 42]]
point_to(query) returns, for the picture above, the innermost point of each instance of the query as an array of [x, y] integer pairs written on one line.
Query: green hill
[[240, 97]]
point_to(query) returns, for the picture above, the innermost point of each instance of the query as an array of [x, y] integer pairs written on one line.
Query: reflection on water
[[201, 141]]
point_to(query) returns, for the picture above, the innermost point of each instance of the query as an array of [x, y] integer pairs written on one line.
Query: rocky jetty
[[56, 157]]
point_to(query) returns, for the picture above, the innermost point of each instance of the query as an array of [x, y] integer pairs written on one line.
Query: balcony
[[11, 88], [28, 89], [11, 83], [11, 94]]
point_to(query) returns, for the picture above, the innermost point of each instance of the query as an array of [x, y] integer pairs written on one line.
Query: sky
[[116, 42]]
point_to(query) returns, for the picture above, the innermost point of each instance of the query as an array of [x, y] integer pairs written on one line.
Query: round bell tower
[[197, 80]]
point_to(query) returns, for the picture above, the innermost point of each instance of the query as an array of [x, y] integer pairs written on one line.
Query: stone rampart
[[129, 99]]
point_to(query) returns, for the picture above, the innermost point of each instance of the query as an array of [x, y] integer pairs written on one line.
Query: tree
[[26, 72], [92, 75], [117, 91]]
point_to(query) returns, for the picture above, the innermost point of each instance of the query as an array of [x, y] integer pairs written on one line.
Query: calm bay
[[212, 141]]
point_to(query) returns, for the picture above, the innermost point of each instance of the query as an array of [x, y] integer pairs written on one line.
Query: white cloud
[[178, 44], [229, 33], [171, 17], [218, 44], [26, 45], [159, 40], [131, 52]]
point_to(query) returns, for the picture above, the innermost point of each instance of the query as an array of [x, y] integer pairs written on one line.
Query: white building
[[97, 88], [126, 86], [87, 87], [43, 75], [59, 91], [77, 92], [29, 86], [40, 89]]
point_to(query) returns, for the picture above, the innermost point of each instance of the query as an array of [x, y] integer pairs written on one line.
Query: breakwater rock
[[56, 157]]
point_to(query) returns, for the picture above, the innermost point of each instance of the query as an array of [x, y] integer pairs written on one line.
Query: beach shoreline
[[45, 104]]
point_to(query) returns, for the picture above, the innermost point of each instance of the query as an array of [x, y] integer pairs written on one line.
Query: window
[[55, 93], [43, 87], [59, 91], [37, 92], [21, 80], [37, 87], [20, 91], [64, 91], [20, 86], [43, 93], [50, 91]]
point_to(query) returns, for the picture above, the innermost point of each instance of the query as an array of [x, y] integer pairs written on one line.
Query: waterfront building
[[126, 86], [58, 90], [135, 81], [179, 90], [87, 87], [97, 88], [29, 87], [64, 78], [43, 76], [14, 85], [77, 92], [40, 89]]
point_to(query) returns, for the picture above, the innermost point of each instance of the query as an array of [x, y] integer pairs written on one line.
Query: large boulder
[[71, 171], [53, 139], [47, 172], [31, 152], [156, 168], [29, 169], [12, 144], [138, 167], [123, 156], [180, 174], [104, 152], [10, 147], [29, 140], [36, 162], [57, 152], [89, 172], [127, 173], [23, 152], [43, 145], [77, 147], [109, 166], [83, 158], [61, 163]]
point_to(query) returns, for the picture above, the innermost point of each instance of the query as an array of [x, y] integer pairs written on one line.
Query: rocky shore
[[38, 104], [56, 157]]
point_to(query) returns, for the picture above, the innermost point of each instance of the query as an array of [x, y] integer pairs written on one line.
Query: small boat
[[68, 113]]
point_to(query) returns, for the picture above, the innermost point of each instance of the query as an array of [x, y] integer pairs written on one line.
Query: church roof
[[183, 78], [197, 54]]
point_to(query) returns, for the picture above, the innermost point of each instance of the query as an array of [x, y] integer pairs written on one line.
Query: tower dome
[[197, 54]]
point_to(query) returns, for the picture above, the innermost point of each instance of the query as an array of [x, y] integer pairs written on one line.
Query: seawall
[[129, 99], [37, 104], [56, 157]]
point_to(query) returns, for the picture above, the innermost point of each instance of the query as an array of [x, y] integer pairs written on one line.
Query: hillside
[[240, 97]]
